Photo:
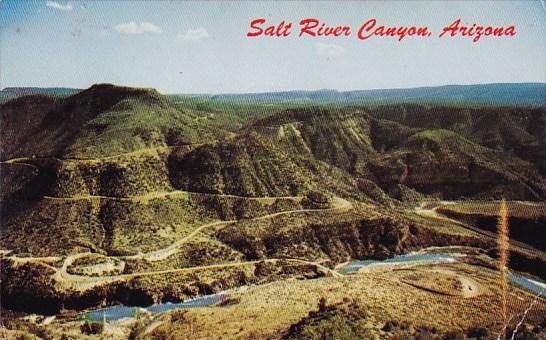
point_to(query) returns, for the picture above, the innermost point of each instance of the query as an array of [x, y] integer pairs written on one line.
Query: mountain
[[123, 195], [507, 94], [112, 141], [421, 155], [450, 151], [102, 120]]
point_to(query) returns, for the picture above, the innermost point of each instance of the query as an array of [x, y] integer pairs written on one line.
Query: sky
[[202, 47]]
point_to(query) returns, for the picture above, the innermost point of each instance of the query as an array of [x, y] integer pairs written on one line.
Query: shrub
[[92, 328]]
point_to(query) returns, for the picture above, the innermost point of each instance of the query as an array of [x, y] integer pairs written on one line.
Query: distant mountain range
[[496, 94], [505, 94]]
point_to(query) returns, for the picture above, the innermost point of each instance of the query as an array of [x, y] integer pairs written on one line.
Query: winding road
[[66, 281]]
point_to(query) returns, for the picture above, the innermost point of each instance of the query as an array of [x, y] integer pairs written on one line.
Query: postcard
[[272, 170]]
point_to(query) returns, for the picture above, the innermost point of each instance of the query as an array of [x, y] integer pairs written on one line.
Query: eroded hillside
[[122, 195]]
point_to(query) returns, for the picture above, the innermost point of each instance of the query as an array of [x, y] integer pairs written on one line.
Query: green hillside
[[123, 195]]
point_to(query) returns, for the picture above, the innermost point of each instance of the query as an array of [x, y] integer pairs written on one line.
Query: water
[[121, 312], [204, 301], [420, 258], [111, 313], [417, 258], [530, 285]]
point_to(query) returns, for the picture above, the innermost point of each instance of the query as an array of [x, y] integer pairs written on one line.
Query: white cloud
[[329, 50], [135, 28], [57, 5], [194, 34]]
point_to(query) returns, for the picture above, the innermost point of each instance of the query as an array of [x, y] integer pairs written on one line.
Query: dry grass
[[269, 310]]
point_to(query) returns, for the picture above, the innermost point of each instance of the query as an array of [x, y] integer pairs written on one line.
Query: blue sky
[[201, 47]]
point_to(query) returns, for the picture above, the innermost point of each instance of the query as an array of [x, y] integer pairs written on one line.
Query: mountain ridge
[[519, 94], [124, 195]]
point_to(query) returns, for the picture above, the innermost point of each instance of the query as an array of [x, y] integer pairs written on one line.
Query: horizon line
[[279, 91]]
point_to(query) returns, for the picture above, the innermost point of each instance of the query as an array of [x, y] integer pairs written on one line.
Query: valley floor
[[432, 298]]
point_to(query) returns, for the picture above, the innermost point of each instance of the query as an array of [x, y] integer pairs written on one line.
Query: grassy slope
[[101, 121], [115, 193], [124, 134], [375, 303]]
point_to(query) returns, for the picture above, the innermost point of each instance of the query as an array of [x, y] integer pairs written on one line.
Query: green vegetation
[[230, 116], [350, 320], [123, 195], [342, 322]]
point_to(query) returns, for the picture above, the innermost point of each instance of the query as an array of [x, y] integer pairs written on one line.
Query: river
[[121, 312]]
